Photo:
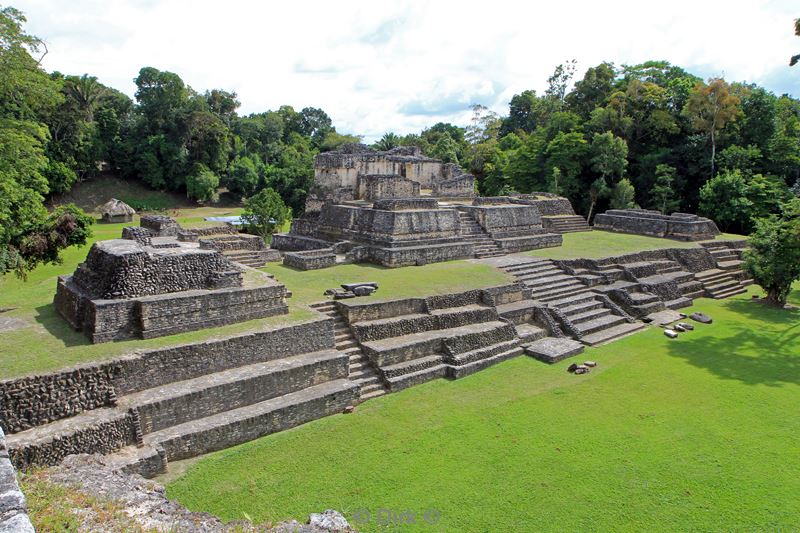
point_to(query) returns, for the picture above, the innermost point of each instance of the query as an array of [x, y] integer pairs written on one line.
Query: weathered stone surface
[[681, 226], [672, 334], [363, 290], [551, 350], [146, 503], [686, 326], [125, 290], [310, 259], [13, 510], [701, 317], [115, 211], [329, 520]]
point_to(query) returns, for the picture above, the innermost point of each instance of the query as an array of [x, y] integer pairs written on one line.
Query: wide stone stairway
[[361, 371], [728, 279], [416, 340], [222, 401], [565, 223], [580, 312], [474, 233]]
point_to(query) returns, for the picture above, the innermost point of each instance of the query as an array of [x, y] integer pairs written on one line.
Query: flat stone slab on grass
[[665, 317], [10, 324], [552, 350]]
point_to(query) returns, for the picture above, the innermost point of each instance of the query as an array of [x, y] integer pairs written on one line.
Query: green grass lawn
[[693, 434], [595, 244]]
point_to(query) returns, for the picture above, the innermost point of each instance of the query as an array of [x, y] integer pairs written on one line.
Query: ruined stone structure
[[246, 249], [679, 226], [400, 208], [128, 289], [151, 407], [115, 211], [357, 172], [557, 213], [13, 508]]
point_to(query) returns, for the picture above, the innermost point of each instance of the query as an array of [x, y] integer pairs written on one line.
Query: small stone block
[[352, 286], [552, 350], [701, 317], [590, 364], [686, 326], [671, 333]]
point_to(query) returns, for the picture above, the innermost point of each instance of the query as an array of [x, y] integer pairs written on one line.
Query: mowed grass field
[[693, 434], [596, 244]]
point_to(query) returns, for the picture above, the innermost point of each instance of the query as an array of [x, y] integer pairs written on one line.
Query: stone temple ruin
[[679, 226], [158, 281], [399, 208]]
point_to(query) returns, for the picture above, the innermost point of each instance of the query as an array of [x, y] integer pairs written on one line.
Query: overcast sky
[[404, 65]]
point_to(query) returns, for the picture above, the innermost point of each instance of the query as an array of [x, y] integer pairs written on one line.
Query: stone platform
[[126, 289], [679, 226], [552, 350]]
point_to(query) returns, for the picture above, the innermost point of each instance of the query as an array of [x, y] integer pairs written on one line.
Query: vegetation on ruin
[[665, 435]]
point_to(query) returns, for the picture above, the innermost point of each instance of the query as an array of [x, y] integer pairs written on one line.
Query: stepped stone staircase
[[728, 279], [213, 411], [474, 233], [565, 223], [361, 371], [581, 313], [414, 344], [248, 250]]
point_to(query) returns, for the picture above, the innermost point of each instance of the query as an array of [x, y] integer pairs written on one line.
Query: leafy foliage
[[774, 255], [264, 212]]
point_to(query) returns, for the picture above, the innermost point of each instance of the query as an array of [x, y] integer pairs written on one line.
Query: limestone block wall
[[342, 222], [681, 226], [373, 187], [232, 242], [13, 508], [310, 260], [121, 268], [160, 225], [32, 401], [547, 203]]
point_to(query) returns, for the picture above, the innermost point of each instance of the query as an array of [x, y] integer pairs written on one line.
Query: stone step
[[368, 389], [612, 333], [552, 350], [373, 394], [415, 378], [561, 292], [234, 427], [382, 328], [730, 292], [574, 300], [182, 401], [530, 333], [517, 312], [459, 371], [538, 273], [586, 304], [528, 265], [730, 265], [347, 344], [410, 366], [598, 324], [694, 294], [550, 285], [423, 343], [589, 315], [546, 279], [722, 285], [711, 278], [678, 303], [481, 353]]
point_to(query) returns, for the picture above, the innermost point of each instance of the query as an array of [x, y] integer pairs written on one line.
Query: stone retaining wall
[[13, 508], [36, 400], [311, 259]]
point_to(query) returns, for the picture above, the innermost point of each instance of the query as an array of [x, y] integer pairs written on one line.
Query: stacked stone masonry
[[679, 226], [126, 289], [151, 407], [13, 508]]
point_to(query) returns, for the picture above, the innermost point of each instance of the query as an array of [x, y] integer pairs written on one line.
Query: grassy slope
[[594, 244], [689, 434]]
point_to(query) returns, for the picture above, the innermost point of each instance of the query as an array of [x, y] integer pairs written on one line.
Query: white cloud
[[401, 66]]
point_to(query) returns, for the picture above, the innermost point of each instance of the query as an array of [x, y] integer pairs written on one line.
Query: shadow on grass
[[56, 326], [764, 349]]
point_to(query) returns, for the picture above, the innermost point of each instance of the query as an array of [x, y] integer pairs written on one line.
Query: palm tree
[[86, 91], [387, 142]]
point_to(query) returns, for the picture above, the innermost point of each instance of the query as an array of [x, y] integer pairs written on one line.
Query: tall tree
[[712, 107], [662, 194]]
